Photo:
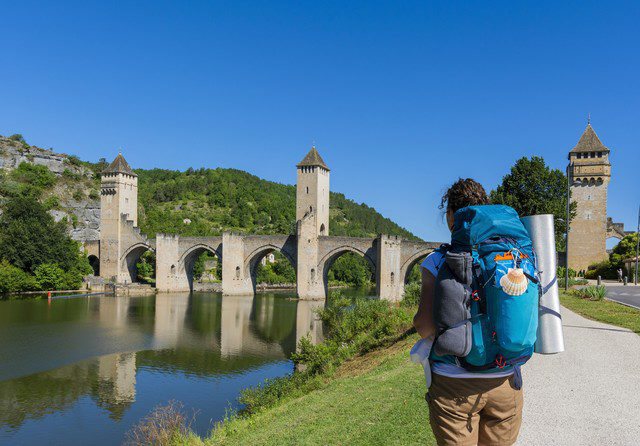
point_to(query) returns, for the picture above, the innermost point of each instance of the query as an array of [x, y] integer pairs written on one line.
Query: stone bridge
[[311, 251]]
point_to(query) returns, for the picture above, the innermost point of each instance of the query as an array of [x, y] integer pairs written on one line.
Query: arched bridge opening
[[270, 262], [139, 264], [348, 265], [201, 264]]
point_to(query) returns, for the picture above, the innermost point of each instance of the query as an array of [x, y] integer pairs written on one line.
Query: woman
[[465, 408]]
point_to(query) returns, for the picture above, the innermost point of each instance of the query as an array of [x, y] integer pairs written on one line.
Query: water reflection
[[201, 349]]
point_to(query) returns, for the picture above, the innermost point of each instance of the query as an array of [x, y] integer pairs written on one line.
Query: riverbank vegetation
[[592, 306], [353, 327], [36, 252]]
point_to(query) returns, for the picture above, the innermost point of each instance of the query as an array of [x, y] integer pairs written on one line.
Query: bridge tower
[[312, 191], [118, 201], [589, 173], [312, 217]]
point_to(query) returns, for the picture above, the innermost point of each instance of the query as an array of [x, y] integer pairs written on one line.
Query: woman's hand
[[423, 320]]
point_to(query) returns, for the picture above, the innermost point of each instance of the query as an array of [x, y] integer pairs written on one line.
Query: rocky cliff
[[76, 188]]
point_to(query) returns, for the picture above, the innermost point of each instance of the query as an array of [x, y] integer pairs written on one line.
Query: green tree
[[29, 237], [146, 267], [531, 188], [351, 269], [625, 249]]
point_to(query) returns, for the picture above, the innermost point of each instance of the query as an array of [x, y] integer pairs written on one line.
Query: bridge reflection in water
[[200, 349]]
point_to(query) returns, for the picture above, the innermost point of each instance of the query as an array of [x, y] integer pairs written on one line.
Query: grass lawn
[[603, 311], [375, 399]]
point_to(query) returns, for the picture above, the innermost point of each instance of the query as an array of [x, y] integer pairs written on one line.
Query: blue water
[[85, 370]]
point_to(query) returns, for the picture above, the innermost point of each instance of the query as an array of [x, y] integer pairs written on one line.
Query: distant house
[[271, 258]]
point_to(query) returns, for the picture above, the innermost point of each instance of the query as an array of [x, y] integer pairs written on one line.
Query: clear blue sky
[[401, 98]]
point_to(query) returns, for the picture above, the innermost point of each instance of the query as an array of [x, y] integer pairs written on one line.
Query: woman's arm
[[423, 320]]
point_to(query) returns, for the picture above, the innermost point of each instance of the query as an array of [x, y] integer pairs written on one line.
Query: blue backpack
[[486, 292]]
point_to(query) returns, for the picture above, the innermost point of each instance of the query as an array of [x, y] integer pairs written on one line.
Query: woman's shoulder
[[433, 262]]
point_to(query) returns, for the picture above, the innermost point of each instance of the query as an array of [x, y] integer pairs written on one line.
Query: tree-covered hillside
[[210, 201]]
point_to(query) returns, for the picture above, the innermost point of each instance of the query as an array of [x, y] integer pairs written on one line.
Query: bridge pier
[[171, 274], [236, 275], [309, 275], [389, 283]]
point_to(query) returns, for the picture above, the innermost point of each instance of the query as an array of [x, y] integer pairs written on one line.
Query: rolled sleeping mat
[[550, 338]]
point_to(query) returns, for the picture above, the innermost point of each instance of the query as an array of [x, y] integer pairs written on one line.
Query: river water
[[84, 370]]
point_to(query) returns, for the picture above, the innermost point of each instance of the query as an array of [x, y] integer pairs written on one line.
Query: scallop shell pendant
[[514, 283]]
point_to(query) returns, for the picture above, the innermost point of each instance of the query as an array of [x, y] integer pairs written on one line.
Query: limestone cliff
[[76, 188]]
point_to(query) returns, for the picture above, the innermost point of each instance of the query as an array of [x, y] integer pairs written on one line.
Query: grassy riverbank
[[377, 398], [603, 311]]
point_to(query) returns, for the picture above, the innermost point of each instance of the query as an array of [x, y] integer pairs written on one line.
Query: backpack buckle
[[500, 361], [475, 296]]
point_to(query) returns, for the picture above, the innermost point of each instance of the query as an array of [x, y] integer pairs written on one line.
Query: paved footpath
[[587, 395]]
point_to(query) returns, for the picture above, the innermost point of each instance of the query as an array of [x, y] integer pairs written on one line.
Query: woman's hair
[[463, 193]]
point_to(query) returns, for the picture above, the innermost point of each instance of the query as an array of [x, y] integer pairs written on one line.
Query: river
[[86, 369]]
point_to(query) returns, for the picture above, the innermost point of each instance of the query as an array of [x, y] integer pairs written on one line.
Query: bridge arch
[[327, 261], [407, 266], [252, 260], [130, 258], [189, 257], [94, 261]]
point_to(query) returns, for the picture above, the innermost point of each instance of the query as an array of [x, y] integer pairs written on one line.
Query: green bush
[[604, 269], [50, 276], [353, 327], [13, 279], [592, 292], [412, 294], [561, 271], [32, 178]]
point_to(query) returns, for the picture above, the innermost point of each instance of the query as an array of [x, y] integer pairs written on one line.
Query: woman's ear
[[450, 219]]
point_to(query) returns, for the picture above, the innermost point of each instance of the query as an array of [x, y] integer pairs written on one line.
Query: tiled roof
[[589, 142], [119, 165], [313, 158]]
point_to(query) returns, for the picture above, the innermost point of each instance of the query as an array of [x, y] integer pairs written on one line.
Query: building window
[[579, 155], [310, 208], [307, 189], [237, 272], [126, 201]]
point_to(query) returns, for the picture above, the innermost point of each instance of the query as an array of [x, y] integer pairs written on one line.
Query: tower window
[[310, 208], [126, 201], [307, 189]]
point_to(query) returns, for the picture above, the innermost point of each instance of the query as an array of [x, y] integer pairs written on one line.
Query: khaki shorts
[[470, 411]]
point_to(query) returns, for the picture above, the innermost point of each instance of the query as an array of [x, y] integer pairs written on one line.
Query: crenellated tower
[[118, 201], [312, 192], [589, 174]]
